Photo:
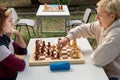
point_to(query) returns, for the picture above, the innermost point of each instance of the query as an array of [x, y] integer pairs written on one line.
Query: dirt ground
[[15, 2], [28, 2]]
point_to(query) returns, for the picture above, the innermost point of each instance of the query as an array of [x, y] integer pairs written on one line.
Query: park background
[[28, 9]]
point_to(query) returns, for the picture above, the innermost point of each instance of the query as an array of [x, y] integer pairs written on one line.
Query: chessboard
[[45, 53], [53, 8]]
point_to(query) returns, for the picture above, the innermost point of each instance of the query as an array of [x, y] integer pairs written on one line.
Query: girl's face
[[8, 24], [105, 19]]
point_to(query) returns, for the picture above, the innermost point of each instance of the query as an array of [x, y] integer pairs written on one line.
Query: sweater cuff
[[70, 36]]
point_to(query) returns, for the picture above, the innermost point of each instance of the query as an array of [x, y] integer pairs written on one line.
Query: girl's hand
[[62, 42], [20, 56], [12, 31]]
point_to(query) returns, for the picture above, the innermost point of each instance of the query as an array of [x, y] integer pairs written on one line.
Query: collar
[[4, 40]]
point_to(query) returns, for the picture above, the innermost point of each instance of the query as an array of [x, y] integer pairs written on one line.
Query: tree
[[35, 2], [64, 2]]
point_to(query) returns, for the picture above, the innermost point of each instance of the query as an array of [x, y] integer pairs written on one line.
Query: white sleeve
[[84, 30], [4, 52], [11, 48], [105, 53]]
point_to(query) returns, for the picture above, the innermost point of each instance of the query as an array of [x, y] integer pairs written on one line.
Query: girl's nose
[[97, 17], [12, 23]]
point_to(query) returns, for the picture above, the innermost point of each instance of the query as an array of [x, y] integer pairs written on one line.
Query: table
[[85, 71], [42, 14]]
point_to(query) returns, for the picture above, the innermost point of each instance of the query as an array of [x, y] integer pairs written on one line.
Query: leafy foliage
[[63, 2]]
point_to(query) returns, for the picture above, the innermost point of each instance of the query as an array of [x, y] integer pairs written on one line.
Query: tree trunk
[[35, 2]]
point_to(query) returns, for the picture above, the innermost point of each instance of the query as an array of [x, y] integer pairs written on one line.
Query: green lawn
[[52, 24]]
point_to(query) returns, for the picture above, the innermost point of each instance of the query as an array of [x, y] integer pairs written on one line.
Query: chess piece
[[61, 7], [48, 52], [74, 44], [52, 54], [42, 50], [76, 54], [69, 51], [71, 54], [37, 46], [49, 45], [59, 38], [36, 57], [58, 55], [43, 44], [58, 47], [53, 47], [68, 44], [46, 6]]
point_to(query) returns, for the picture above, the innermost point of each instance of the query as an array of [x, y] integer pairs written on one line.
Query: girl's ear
[[113, 16]]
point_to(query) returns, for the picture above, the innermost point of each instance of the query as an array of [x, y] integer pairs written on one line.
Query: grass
[[52, 24]]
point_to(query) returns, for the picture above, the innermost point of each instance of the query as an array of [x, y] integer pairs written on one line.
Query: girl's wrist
[[17, 33]]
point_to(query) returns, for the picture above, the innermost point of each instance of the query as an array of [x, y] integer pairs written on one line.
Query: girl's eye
[[10, 21], [100, 15]]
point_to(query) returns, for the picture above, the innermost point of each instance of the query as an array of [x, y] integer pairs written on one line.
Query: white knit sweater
[[107, 54]]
